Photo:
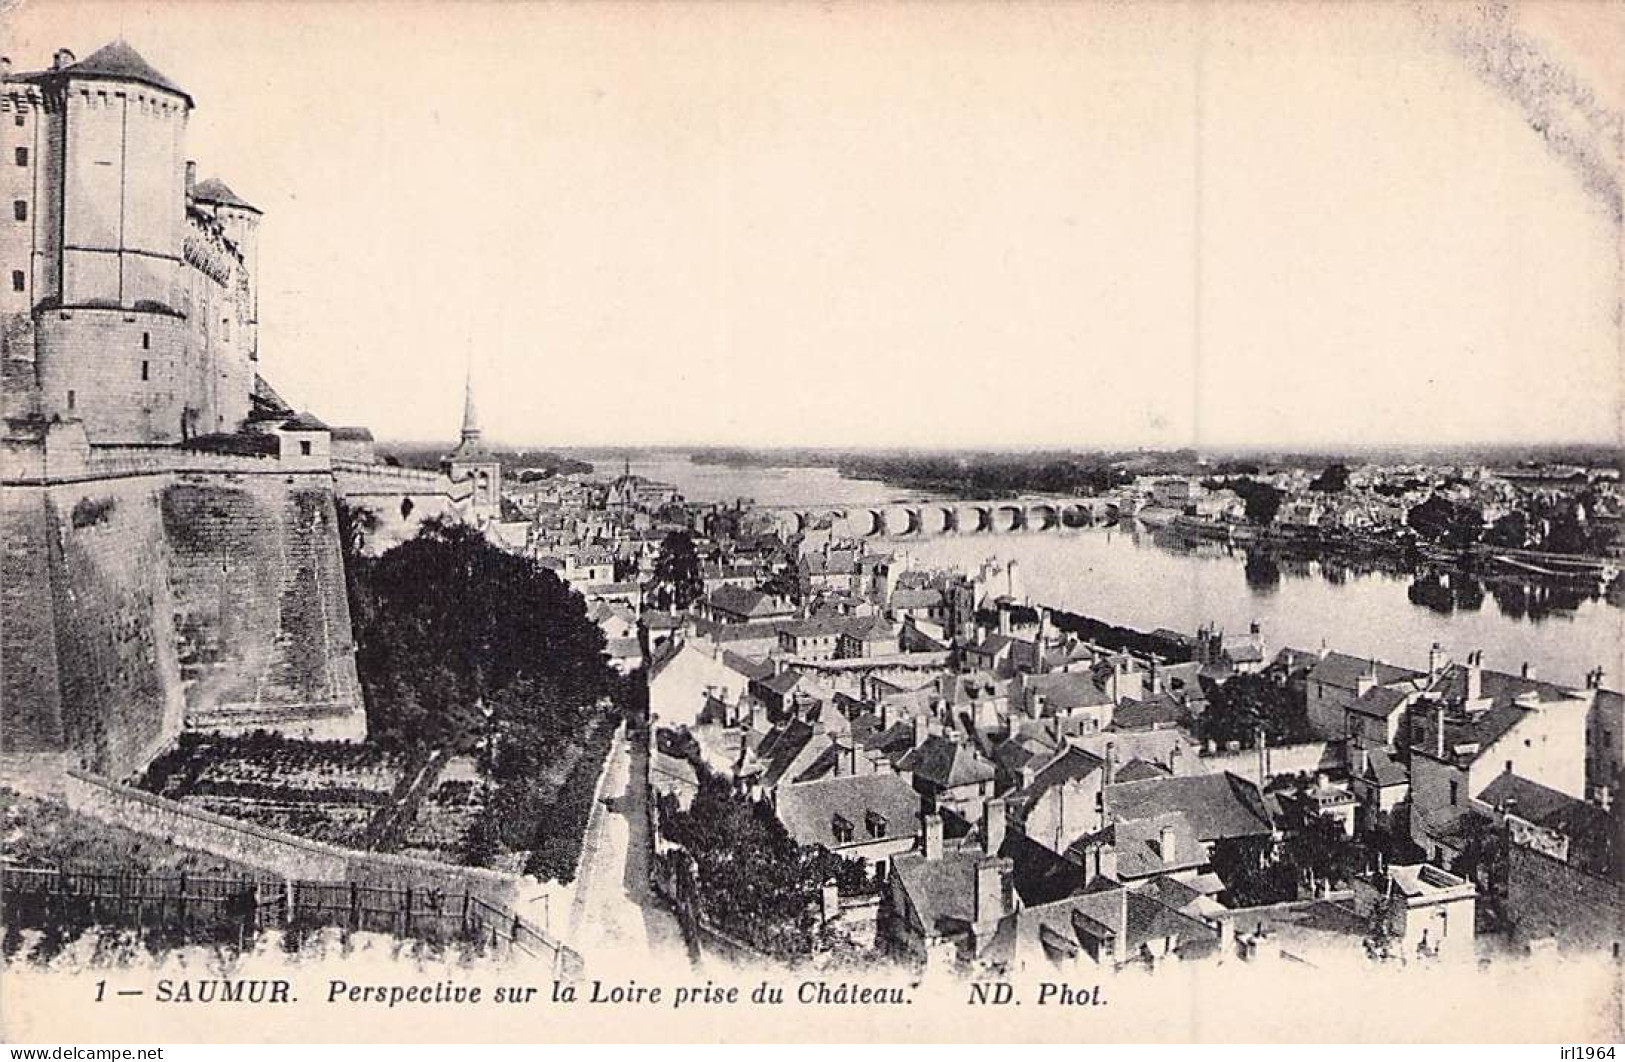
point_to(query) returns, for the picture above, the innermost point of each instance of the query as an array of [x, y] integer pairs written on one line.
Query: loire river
[[1135, 579]]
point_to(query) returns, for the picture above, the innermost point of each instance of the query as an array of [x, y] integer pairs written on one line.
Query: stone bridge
[[944, 517]]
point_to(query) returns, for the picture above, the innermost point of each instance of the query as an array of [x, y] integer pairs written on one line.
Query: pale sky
[[931, 225]]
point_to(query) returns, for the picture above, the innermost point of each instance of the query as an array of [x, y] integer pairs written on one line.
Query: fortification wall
[[1548, 899], [271, 850], [29, 690], [261, 619], [140, 604]]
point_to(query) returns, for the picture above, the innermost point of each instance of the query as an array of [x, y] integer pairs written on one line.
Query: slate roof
[[1383, 770], [118, 61], [216, 191], [941, 891], [1380, 702], [1343, 671], [1067, 690], [1588, 827], [789, 752], [1217, 805], [1071, 765], [808, 809], [927, 598], [946, 763], [742, 601], [1158, 710], [1501, 712], [1138, 770]]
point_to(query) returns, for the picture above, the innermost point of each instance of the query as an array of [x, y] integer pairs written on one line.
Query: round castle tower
[[107, 234]]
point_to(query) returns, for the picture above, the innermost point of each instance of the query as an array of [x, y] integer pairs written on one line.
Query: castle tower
[[106, 234], [236, 356], [473, 463]]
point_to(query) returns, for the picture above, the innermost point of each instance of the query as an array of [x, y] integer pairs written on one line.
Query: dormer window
[[876, 824], [841, 829]]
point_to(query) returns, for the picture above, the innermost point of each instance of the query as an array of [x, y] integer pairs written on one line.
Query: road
[[616, 919]]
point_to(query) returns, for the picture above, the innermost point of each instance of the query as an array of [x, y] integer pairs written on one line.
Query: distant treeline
[[428, 455], [992, 475]]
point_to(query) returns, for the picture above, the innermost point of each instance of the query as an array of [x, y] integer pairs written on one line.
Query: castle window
[[22, 156], [1454, 794], [19, 210], [146, 340], [19, 280], [304, 447], [70, 399], [406, 508], [144, 370]]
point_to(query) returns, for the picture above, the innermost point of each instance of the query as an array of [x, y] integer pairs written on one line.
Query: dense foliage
[[751, 879], [1238, 707], [678, 582], [463, 646], [449, 627]]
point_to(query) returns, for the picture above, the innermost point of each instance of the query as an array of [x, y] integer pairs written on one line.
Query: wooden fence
[[211, 908]]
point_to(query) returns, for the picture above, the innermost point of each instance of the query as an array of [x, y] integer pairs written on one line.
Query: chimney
[[1530, 671], [1475, 675], [1004, 620], [62, 60], [993, 815], [989, 901], [1438, 731], [191, 177], [1105, 860], [1166, 845], [1366, 681], [1435, 660], [5, 66], [922, 730], [1012, 723], [1111, 763], [933, 837]]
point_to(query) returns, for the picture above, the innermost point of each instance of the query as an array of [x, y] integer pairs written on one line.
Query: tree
[[1443, 521], [677, 579], [1239, 706], [447, 622], [1333, 479]]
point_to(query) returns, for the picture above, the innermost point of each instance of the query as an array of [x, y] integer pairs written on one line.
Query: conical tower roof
[[120, 62]]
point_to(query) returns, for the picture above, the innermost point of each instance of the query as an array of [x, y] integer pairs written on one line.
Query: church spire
[[471, 421]]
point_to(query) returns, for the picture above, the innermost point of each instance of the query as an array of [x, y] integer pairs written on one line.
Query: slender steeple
[[471, 421]]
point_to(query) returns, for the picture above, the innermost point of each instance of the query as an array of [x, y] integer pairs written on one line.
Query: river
[[1137, 579]]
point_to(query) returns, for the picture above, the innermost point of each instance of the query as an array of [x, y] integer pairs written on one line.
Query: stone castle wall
[[1549, 900], [140, 605]]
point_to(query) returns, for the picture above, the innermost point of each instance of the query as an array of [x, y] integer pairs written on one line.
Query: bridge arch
[[899, 520], [1008, 518], [1042, 516], [937, 520], [1077, 514]]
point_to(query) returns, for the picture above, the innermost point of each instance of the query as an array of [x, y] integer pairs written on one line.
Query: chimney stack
[[1435, 660], [933, 837], [5, 66], [1475, 675], [1530, 671], [1111, 763], [1166, 845], [63, 59], [993, 821], [990, 903], [922, 730], [1438, 731]]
